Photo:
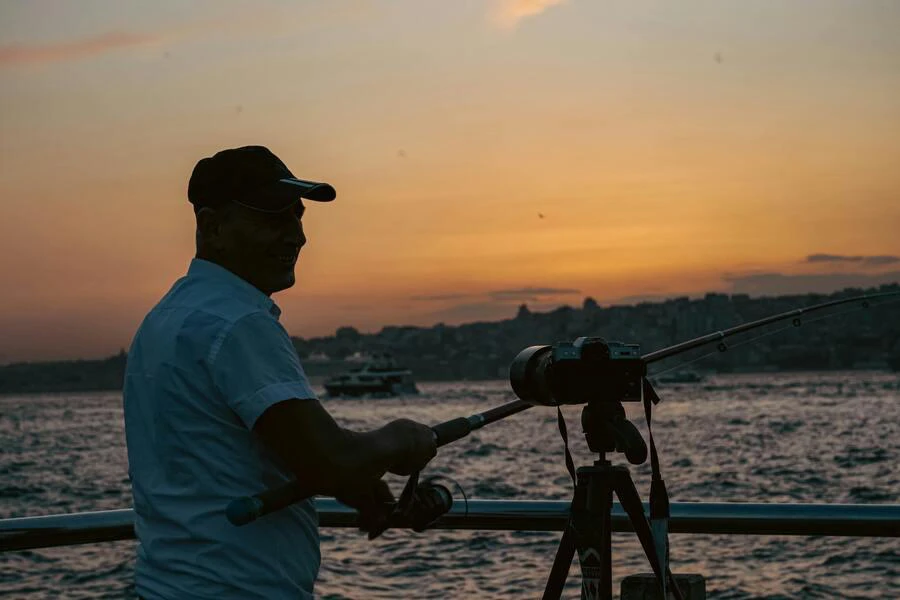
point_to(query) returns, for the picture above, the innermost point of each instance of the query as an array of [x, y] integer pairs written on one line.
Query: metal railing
[[854, 520]]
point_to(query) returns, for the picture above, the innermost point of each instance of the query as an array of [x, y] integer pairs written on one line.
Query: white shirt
[[206, 362]]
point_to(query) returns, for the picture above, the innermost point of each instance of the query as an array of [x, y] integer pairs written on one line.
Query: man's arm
[[330, 459], [258, 373]]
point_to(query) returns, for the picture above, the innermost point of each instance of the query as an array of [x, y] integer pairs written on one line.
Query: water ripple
[[804, 437]]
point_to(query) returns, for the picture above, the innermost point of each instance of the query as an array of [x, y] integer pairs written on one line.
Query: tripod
[[589, 529]]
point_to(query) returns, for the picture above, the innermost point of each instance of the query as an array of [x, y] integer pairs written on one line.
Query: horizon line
[[612, 304]]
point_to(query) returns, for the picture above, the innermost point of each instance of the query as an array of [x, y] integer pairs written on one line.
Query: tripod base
[[644, 586], [589, 531]]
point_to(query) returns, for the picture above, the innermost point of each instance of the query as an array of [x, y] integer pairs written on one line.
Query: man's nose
[[294, 233]]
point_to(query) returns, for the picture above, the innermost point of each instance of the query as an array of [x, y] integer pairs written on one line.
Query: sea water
[[790, 437]]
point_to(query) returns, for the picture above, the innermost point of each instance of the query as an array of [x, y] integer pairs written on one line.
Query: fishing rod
[[864, 300], [555, 375]]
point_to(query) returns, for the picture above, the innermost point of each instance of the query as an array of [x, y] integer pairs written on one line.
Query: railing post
[[643, 586]]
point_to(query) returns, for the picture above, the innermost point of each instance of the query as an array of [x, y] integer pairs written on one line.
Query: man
[[217, 405]]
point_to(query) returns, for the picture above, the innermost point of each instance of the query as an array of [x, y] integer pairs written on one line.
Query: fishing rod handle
[[452, 430], [458, 428], [241, 511], [249, 508]]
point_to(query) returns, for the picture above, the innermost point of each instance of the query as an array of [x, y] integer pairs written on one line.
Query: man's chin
[[285, 282]]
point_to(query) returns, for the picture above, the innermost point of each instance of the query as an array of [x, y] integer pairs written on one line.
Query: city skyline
[[485, 154]]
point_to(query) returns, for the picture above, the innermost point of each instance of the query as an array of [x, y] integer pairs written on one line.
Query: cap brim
[[311, 190]]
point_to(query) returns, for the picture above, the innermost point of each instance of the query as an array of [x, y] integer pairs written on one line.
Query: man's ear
[[209, 227]]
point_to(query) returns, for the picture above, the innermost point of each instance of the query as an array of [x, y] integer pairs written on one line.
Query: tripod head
[[607, 430]]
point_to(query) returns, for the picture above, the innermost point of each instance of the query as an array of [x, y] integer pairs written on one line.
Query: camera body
[[588, 369]]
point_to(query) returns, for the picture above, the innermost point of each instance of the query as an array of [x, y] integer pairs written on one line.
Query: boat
[[381, 376], [679, 377]]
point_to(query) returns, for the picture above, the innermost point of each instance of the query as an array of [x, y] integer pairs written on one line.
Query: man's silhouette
[[217, 405]]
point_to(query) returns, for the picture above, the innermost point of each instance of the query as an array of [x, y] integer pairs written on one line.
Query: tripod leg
[[588, 531], [593, 528], [633, 506], [564, 554]]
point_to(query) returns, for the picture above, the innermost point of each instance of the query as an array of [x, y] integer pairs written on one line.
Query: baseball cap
[[253, 177]]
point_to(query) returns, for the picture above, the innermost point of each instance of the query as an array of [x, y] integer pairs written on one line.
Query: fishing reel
[[419, 506], [586, 370]]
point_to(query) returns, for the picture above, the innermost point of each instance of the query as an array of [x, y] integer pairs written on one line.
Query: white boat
[[679, 377], [381, 376]]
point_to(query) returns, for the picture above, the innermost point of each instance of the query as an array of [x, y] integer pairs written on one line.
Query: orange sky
[[546, 150]]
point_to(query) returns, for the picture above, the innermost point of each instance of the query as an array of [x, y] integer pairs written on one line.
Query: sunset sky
[[485, 153]]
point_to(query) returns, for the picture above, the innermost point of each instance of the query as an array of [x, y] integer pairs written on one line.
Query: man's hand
[[416, 445], [331, 460], [373, 499]]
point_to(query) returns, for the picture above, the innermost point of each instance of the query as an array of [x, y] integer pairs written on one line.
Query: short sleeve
[[256, 366]]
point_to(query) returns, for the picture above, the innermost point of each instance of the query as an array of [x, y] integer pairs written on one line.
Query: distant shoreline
[[317, 381], [862, 341]]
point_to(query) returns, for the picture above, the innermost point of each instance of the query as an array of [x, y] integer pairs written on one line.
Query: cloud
[[775, 284], [508, 13], [875, 260], [493, 305], [438, 297], [529, 293], [817, 258], [652, 298], [883, 259], [473, 311], [247, 21], [21, 54]]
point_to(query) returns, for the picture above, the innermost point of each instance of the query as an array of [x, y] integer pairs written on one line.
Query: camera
[[588, 369]]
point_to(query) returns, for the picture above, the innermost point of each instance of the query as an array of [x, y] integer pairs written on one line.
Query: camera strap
[[570, 464], [659, 497]]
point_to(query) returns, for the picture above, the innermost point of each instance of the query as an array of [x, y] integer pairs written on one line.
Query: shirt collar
[[209, 270]]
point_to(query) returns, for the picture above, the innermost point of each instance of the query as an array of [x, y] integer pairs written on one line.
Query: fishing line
[[796, 322]]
